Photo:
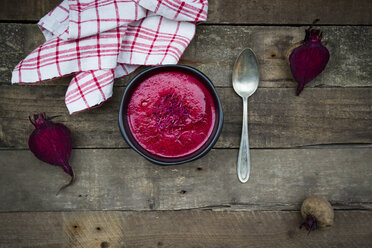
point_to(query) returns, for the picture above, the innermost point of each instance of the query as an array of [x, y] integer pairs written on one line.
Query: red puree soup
[[171, 114]]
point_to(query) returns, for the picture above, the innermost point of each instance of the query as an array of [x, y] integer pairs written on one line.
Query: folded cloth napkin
[[100, 40]]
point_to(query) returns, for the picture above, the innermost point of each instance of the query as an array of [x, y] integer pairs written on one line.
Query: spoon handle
[[244, 163]]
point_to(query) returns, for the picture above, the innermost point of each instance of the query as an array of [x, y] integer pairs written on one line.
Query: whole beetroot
[[317, 212], [309, 59], [51, 143]]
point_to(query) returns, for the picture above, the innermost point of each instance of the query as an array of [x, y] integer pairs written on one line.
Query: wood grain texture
[[277, 117], [215, 48], [120, 179], [25, 10], [341, 12], [184, 229]]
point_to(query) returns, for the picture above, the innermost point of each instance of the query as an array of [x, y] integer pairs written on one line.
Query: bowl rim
[[214, 95]]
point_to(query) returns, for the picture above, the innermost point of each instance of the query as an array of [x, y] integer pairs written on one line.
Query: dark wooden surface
[[344, 12], [188, 228], [319, 143], [215, 48], [119, 179], [277, 117]]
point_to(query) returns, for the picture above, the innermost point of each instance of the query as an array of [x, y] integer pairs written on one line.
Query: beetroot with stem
[[317, 213], [309, 59], [310, 223], [51, 143]]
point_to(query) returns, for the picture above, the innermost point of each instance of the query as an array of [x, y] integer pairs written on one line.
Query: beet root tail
[[67, 184], [299, 89]]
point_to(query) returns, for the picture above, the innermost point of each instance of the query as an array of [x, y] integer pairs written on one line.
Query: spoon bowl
[[245, 79], [245, 76]]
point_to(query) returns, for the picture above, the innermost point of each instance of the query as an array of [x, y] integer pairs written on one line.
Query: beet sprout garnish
[[170, 112]]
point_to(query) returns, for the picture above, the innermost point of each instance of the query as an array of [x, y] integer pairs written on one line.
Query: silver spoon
[[245, 78]]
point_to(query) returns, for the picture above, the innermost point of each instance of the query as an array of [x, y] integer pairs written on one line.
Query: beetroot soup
[[171, 114]]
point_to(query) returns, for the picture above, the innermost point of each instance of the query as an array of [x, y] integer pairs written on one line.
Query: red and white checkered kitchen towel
[[99, 40]]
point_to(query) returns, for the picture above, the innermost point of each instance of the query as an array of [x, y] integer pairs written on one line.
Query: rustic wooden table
[[316, 144]]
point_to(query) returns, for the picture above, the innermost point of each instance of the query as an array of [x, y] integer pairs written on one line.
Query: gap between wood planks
[[293, 85], [319, 146], [337, 207], [224, 24]]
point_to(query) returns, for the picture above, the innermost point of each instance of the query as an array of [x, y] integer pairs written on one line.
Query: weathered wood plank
[[277, 117], [215, 48], [342, 12], [120, 179], [41, 230], [290, 12], [25, 10], [352, 229]]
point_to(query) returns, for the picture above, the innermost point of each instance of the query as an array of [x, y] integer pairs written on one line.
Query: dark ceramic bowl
[[128, 136]]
